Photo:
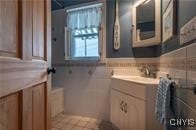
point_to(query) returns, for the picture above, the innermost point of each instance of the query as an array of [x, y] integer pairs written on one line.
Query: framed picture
[[169, 21], [165, 4]]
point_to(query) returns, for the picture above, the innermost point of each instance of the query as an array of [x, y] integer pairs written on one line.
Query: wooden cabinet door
[[117, 115], [135, 115], [9, 112]]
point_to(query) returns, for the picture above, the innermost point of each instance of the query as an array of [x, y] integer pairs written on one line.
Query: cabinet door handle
[[121, 106], [125, 108]]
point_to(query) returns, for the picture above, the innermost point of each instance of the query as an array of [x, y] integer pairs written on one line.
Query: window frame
[[101, 35], [90, 57]]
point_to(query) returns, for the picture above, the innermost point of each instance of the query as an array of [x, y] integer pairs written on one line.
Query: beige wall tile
[[180, 64], [191, 51]]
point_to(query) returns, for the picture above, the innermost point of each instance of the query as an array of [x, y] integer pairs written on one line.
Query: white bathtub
[[57, 101]]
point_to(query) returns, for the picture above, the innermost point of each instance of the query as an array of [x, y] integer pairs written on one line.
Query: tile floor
[[67, 122]]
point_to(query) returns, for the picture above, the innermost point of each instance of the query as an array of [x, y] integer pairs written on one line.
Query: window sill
[[72, 63], [84, 59]]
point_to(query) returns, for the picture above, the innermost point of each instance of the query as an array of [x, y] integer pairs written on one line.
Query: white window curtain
[[84, 18], [83, 33]]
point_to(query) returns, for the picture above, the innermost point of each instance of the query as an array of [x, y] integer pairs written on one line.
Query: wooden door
[[135, 114], [9, 112], [24, 57], [34, 110], [9, 39], [39, 106], [38, 29]]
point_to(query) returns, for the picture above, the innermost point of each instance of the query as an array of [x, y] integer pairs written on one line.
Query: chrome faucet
[[146, 70]]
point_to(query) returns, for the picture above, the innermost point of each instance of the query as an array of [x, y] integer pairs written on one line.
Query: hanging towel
[[163, 106]]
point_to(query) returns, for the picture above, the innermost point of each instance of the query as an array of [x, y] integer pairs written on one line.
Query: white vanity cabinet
[[132, 105], [127, 113]]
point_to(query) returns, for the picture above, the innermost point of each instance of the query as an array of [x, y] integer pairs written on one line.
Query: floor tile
[[76, 128], [91, 125], [67, 127], [59, 125], [82, 123], [54, 123], [96, 121], [68, 122], [73, 121], [85, 118], [86, 129]]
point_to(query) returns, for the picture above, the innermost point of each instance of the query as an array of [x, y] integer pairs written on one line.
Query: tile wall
[[130, 66], [87, 87], [86, 90], [181, 66]]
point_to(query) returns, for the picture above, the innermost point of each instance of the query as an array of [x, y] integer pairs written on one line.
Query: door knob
[[51, 70]]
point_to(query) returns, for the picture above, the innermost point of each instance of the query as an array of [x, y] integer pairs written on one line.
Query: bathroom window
[[84, 32]]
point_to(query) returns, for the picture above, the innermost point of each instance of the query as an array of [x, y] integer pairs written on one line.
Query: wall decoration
[[188, 31], [117, 29], [169, 21], [165, 4]]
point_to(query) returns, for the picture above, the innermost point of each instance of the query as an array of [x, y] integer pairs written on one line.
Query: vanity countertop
[[137, 79]]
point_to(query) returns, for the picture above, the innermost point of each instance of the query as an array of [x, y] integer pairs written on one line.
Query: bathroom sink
[[137, 79], [136, 86]]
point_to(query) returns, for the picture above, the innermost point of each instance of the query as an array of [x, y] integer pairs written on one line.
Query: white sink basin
[[137, 79]]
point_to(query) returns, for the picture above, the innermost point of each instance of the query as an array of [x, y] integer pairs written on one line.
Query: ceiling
[[60, 4]]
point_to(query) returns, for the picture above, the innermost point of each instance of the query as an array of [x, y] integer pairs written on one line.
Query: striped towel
[[163, 110]]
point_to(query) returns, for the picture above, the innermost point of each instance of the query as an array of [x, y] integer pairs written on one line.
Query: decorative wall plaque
[[117, 29]]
